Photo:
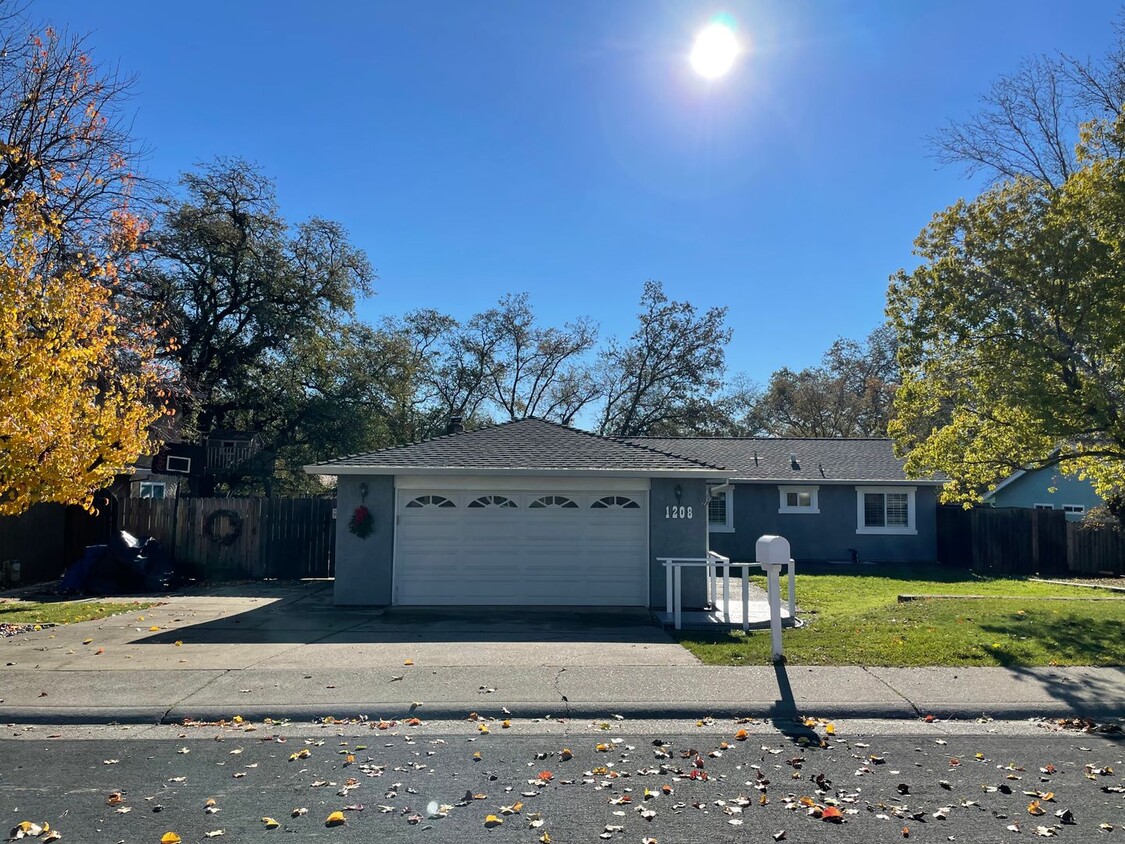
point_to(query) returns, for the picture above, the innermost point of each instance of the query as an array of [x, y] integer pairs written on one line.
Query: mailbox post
[[771, 553]]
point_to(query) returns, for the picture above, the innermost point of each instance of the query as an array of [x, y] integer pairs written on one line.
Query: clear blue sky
[[565, 148]]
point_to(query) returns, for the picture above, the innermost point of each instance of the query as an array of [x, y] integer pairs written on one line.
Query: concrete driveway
[[295, 626]]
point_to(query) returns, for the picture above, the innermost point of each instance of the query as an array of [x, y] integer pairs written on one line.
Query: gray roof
[[527, 445], [768, 458]]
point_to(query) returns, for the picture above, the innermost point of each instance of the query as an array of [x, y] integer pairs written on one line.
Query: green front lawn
[[856, 619], [62, 612]]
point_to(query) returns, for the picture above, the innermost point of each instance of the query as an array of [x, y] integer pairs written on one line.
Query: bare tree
[[538, 370], [1028, 123], [63, 132], [664, 379]]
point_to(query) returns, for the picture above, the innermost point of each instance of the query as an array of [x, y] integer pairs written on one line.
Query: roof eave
[[353, 469], [859, 481], [1012, 478]]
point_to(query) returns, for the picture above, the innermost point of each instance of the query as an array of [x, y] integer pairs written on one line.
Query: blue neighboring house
[[532, 513], [1045, 489]]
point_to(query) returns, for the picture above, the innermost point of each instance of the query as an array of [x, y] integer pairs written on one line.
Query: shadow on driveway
[[304, 614]]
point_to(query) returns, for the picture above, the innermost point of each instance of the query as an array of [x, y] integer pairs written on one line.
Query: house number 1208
[[677, 513]]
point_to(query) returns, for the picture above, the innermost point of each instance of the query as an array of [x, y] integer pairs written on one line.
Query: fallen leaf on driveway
[[27, 829], [335, 819], [832, 815], [170, 838]]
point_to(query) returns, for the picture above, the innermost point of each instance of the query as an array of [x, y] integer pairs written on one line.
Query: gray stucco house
[[534, 513], [1045, 489]]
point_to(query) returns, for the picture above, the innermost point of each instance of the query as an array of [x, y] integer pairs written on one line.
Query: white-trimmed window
[[798, 499], [1077, 509], [150, 489], [177, 464], [720, 512], [1044, 506], [885, 509]]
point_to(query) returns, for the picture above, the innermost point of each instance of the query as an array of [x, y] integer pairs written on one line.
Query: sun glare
[[714, 51]]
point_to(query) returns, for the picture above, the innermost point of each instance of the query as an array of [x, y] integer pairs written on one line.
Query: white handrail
[[673, 593], [673, 597]]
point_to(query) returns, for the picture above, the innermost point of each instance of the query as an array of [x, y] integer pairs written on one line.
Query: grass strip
[[856, 619], [63, 612]]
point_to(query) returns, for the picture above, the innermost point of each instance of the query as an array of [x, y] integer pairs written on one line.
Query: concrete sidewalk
[[284, 651]]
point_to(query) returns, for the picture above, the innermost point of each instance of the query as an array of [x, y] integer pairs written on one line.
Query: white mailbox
[[772, 549], [772, 553]]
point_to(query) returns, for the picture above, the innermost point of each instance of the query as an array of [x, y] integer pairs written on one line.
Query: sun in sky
[[715, 50]]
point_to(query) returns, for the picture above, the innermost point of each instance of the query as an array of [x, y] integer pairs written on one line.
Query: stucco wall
[[363, 566], [679, 537], [1034, 488], [829, 534]]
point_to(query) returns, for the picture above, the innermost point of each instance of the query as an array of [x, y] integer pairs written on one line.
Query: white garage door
[[517, 547]]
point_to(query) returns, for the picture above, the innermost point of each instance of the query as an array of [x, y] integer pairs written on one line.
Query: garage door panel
[[522, 555]]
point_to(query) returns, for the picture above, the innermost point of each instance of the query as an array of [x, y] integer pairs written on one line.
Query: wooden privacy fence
[[240, 538], [1013, 540], [49, 537], [1095, 550]]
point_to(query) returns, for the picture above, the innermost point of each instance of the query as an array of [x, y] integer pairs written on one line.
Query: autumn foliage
[[76, 387], [79, 386]]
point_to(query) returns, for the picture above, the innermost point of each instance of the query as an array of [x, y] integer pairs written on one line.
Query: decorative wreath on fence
[[232, 532], [362, 522]]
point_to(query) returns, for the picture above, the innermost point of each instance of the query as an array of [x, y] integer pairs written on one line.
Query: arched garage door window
[[552, 501], [430, 501], [619, 502], [492, 501]]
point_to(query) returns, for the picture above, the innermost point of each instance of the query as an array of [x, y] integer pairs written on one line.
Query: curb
[[575, 711]]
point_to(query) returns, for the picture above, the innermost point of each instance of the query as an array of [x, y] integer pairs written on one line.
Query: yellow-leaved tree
[[79, 387]]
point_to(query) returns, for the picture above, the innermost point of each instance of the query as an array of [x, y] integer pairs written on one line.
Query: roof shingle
[[768, 458], [528, 444], [536, 445]]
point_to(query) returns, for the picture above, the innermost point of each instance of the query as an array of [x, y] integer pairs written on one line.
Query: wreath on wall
[[362, 522], [233, 527]]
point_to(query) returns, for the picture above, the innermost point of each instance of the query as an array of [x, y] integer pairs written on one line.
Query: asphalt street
[[588, 781]]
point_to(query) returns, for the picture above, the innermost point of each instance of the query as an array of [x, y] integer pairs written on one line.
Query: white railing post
[[679, 597], [745, 599]]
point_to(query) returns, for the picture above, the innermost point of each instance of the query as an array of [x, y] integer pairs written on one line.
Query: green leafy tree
[[1012, 329], [849, 394], [258, 312]]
